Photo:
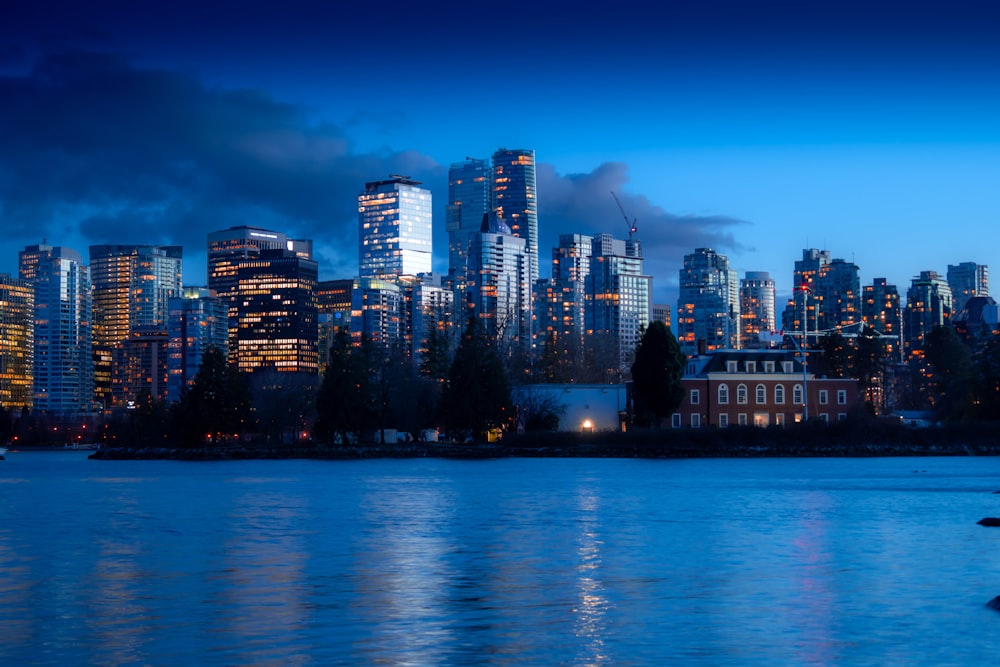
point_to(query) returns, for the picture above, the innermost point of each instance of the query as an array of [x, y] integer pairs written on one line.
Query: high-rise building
[[928, 304], [708, 309], [837, 291], [498, 290], [469, 186], [394, 222], [132, 285], [139, 371], [276, 313], [801, 314], [514, 201], [757, 314], [661, 313], [198, 320], [431, 309], [967, 280], [560, 302], [63, 358], [618, 298], [333, 304], [17, 342], [227, 248], [880, 309], [377, 312]]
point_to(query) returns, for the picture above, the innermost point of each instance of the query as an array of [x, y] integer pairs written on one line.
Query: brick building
[[762, 388]]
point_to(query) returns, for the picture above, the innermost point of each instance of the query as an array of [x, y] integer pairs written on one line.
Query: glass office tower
[[469, 187], [514, 201], [394, 229], [17, 342], [64, 365], [132, 286]]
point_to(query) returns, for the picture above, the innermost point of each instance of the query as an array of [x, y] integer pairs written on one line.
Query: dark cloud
[[94, 149], [123, 154], [584, 204]]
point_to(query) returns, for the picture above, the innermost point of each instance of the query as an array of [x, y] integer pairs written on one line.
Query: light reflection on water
[[508, 562]]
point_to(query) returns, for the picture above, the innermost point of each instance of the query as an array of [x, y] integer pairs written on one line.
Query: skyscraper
[[132, 285], [498, 288], [560, 302], [228, 248], [514, 201], [17, 342], [967, 280], [709, 305], [276, 313], [928, 304], [64, 364], [837, 291], [757, 314], [470, 185], [198, 320], [880, 309], [618, 300], [394, 236], [801, 313]]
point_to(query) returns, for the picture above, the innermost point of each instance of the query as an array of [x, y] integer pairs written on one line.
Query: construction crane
[[631, 225]]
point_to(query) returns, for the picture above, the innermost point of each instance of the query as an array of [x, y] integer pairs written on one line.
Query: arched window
[[761, 394], [779, 394], [797, 394], [723, 394], [741, 394]]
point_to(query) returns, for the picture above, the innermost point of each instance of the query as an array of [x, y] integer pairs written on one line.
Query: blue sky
[[755, 128]]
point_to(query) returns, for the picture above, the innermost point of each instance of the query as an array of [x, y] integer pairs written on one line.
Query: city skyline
[[756, 131]]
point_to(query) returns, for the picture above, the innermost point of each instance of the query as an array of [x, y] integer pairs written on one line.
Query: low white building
[[581, 407]]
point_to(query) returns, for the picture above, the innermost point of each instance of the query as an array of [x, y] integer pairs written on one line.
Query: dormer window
[[751, 366], [768, 366], [787, 366], [731, 366]]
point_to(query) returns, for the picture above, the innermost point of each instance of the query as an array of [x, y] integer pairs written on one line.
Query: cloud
[[109, 152], [584, 203], [94, 149]]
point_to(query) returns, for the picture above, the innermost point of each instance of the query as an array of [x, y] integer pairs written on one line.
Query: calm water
[[507, 562]]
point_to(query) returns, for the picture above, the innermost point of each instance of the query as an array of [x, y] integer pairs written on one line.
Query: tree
[[869, 368], [343, 405], [656, 375], [835, 358], [985, 385], [948, 371], [477, 396], [217, 406]]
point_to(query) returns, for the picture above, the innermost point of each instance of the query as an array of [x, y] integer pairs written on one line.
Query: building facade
[[498, 286], [132, 286], [619, 300], [63, 356], [470, 186], [760, 388], [514, 200], [928, 304], [757, 313], [17, 343], [708, 309], [394, 229], [967, 280], [198, 319], [276, 314]]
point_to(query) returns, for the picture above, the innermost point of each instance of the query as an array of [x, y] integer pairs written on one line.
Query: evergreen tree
[[834, 362], [217, 406], [656, 375], [477, 396], [948, 372], [344, 404]]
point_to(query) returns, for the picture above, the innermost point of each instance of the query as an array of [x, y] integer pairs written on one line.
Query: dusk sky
[[755, 128]]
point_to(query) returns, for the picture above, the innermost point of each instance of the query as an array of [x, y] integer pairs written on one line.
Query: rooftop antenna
[[631, 225]]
